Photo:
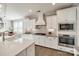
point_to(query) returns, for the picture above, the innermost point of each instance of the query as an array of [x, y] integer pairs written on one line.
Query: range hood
[[40, 19]]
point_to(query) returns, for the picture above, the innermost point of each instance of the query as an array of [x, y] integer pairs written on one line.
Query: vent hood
[[40, 20]]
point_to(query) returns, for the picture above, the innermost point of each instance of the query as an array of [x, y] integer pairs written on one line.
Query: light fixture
[[30, 10], [53, 3], [0, 6]]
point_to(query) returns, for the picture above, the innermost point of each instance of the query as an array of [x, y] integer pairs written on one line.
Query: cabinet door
[[48, 20], [54, 43], [40, 40], [51, 42], [51, 22], [31, 50], [22, 53], [36, 39], [61, 53], [54, 22], [67, 15], [66, 49]]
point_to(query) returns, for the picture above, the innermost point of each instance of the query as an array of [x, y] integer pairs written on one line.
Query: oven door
[[62, 40], [71, 41], [66, 40]]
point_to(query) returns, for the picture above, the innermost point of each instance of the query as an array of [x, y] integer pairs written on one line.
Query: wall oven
[[66, 26], [66, 40]]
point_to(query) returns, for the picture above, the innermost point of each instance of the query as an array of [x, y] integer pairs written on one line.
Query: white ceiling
[[44, 7], [22, 9]]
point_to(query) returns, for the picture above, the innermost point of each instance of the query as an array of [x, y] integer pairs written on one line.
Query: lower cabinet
[[44, 51], [66, 49], [22, 53], [51, 42], [61, 53], [40, 40], [29, 51]]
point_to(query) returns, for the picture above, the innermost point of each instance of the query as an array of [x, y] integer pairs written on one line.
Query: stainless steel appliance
[[66, 40], [66, 26]]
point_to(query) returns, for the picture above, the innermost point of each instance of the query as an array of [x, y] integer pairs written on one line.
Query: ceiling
[[22, 9]]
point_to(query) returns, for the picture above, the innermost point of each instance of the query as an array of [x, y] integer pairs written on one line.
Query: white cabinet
[[66, 49], [40, 40], [48, 20], [51, 42], [22, 53], [77, 41], [66, 15], [29, 51], [51, 22]]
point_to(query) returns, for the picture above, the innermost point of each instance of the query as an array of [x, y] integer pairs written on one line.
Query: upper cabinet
[[67, 15], [51, 25], [40, 19], [51, 22]]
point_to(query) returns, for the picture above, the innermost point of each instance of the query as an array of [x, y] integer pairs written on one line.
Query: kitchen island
[[17, 47]]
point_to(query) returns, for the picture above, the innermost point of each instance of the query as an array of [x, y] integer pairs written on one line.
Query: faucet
[[3, 36]]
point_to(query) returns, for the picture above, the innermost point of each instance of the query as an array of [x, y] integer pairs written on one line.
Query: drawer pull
[[71, 50], [60, 48]]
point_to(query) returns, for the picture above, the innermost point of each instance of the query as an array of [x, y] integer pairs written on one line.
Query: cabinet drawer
[[60, 48], [66, 49]]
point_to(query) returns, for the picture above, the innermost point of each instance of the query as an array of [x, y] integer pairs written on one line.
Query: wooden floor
[[43, 51]]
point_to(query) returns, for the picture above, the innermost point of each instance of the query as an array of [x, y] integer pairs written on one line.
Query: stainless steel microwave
[[66, 26]]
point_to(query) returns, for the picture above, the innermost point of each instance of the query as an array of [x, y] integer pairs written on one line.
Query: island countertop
[[12, 48]]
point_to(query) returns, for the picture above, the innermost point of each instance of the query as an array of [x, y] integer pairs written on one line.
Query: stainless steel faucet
[[3, 35]]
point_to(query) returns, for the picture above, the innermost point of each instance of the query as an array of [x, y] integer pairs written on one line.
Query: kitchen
[[39, 29]]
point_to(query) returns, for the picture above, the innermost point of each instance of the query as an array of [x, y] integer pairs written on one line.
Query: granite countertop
[[38, 35], [13, 47]]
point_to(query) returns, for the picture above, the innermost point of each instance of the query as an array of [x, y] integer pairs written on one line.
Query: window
[[18, 27]]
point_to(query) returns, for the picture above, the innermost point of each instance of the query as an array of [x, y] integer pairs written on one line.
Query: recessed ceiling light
[[0, 6], [53, 3], [30, 10]]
